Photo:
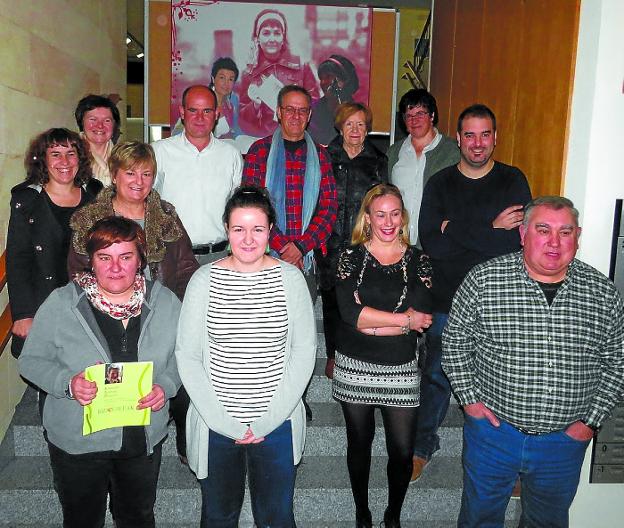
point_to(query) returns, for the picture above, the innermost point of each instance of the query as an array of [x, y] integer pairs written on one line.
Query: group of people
[[435, 268]]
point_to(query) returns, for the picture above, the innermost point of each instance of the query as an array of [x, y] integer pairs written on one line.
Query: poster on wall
[[248, 51]]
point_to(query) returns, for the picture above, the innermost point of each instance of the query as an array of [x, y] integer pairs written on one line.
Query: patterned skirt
[[358, 381]]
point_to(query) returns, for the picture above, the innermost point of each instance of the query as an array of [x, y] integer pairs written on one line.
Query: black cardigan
[[33, 250]]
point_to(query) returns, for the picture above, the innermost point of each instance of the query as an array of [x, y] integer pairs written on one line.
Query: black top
[[354, 177], [381, 288], [470, 205], [123, 346], [62, 216], [36, 254]]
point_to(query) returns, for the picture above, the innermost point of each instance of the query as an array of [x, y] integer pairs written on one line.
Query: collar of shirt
[[192, 148]]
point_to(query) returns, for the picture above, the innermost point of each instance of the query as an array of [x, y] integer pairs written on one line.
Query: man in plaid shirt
[[301, 183], [534, 351]]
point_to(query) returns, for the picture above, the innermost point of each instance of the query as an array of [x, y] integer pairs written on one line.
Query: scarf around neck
[[132, 308], [275, 182]]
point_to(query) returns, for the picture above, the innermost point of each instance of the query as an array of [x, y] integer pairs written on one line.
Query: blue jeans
[[435, 392], [271, 481], [549, 467]]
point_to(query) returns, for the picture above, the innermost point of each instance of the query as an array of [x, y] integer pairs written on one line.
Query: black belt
[[527, 432], [206, 249]]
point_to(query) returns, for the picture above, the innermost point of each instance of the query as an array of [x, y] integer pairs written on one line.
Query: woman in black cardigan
[[357, 166], [58, 181]]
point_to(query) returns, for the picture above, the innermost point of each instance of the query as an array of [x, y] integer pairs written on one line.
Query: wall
[[593, 181], [518, 58], [50, 58]]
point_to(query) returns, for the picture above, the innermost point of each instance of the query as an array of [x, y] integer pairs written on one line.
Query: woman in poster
[[224, 76], [271, 66], [246, 350], [111, 314], [339, 81]]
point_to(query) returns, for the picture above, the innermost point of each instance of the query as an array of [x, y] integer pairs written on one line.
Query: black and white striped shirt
[[247, 324]]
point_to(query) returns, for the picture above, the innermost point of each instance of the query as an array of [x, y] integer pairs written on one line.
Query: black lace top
[[382, 287]]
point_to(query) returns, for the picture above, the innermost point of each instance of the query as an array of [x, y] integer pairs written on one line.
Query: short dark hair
[[292, 88], [419, 97], [224, 63], [476, 110], [113, 230], [91, 102], [346, 110], [189, 88], [551, 202], [246, 196], [35, 158]]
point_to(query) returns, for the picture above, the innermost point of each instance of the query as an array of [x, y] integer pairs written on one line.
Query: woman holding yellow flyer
[[107, 337]]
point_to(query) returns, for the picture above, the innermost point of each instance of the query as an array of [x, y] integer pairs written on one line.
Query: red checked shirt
[[320, 226]]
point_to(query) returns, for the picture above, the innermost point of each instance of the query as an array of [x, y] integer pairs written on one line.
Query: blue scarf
[[275, 182]]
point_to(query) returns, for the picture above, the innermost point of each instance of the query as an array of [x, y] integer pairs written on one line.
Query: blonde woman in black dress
[[383, 294]]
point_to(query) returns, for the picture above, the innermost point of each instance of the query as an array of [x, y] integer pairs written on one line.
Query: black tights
[[399, 425]]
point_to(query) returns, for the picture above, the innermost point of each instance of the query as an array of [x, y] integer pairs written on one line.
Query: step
[[322, 494]]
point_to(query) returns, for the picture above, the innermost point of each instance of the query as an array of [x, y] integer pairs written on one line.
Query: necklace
[[356, 293]]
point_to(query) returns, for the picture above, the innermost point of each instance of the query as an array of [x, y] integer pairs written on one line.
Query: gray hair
[[552, 202]]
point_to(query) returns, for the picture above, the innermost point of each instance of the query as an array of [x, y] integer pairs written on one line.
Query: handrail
[[6, 321]]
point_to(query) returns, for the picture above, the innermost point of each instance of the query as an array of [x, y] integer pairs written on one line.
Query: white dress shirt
[[408, 174], [198, 183]]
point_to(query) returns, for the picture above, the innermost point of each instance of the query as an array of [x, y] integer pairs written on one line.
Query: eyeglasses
[[290, 111], [416, 115]]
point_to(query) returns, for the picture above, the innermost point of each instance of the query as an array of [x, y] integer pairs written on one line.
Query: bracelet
[[406, 329]]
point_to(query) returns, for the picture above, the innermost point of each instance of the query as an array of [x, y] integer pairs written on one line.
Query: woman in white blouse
[[246, 350]]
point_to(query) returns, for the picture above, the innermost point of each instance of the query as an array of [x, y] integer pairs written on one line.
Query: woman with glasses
[[425, 151], [382, 288], [271, 66]]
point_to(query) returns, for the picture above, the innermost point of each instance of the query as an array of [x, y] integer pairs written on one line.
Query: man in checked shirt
[[299, 177], [534, 351]]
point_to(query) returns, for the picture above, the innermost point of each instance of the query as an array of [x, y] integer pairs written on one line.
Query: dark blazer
[[33, 250], [354, 177]]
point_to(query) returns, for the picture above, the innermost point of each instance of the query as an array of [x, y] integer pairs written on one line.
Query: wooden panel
[[382, 69], [551, 26], [518, 58], [442, 53], [159, 57]]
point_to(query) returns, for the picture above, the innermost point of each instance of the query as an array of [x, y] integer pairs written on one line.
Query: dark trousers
[[331, 320], [271, 481], [178, 407], [83, 483], [435, 392]]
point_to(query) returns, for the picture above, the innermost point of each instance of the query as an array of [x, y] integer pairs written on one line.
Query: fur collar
[[161, 223]]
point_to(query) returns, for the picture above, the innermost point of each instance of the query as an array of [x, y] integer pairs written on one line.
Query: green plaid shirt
[[536, 366]]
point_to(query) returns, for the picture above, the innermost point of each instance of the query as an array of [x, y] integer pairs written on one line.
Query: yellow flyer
[[120, 387]]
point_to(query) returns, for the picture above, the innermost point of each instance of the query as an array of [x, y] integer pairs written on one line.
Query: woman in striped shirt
[[245, 366]]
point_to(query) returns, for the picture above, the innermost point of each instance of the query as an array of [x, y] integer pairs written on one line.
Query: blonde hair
[[360, 232], [346, 110], [129, 154]]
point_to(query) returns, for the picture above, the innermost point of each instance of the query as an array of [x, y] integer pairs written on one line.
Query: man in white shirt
[[425, 151], [197, 172]]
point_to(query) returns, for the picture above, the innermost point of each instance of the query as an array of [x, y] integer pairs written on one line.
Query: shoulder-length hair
[[35, 158], [361, 231]]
